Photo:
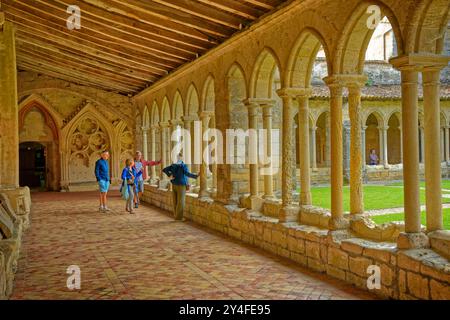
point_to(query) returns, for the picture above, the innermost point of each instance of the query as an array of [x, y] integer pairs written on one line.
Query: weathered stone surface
[[417, 285], [312, 250], [359, 265], [380, 251], [439, 290], [316, 265], [412, 241], [336, 272], [440, 241], [337, 258], [296, 245], [358, 281], [338, 252]]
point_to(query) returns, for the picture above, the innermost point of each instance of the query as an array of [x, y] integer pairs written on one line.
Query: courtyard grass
[[400, 217], [375, 197], [445, 185]]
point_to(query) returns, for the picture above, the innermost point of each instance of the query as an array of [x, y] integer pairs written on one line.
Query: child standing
[[129, 182]]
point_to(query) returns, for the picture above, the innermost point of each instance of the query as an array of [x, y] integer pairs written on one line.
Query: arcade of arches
[[303, 70]]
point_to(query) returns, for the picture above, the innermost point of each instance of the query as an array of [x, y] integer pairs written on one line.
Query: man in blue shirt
[[179, 173], [103, 179]]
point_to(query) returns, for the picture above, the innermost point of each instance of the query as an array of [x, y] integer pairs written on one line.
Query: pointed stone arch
[[208, 95], [192, 101], [177, 106]]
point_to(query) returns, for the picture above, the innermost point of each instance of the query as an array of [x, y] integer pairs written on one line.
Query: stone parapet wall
[[15, 207], [410, 274]]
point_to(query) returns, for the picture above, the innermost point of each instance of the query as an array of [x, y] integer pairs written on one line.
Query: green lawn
[[400, 217], [375, 197], [445, 184]]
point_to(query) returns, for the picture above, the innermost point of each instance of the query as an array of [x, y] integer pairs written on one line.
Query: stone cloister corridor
[[317, 134], [149, 256]]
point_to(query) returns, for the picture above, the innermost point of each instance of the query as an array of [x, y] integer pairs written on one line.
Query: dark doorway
[[32, 164]]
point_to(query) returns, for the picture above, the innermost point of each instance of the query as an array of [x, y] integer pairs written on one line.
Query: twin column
[[430, 66]]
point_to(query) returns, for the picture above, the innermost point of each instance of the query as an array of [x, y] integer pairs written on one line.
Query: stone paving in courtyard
[[150, 256]]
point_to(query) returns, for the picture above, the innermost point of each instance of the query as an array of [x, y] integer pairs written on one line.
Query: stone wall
[[14, 218], [410, 274]]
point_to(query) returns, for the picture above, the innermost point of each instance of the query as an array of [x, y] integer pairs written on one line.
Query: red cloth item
[[146, 163]]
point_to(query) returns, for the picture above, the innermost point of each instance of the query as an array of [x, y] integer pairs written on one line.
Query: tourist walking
[[103, 179], [178, 174], [128, 188], [140, 166]]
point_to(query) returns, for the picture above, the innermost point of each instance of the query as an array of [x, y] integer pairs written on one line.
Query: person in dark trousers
[[103, 179], [178, 174]]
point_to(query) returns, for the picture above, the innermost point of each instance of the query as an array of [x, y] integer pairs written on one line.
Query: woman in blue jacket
[[129, 181]]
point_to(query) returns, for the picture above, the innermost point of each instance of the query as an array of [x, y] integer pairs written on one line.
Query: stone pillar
[[401, 144], [153, 176], [446, 145], [214, 166], [441, 134], [327, 140], [9, 121], [252, 108], [164, 160], [363, 147], [337, 220], [187, 149], [384, 130], [432, 130], [288, 212], [203, 193], [346, 148], [303, 131], [267, 125], [412, 237], [313, 148], [356, 150], [145, 142], [422, 143]]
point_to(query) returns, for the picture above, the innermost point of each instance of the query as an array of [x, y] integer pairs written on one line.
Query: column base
[[305, 198], [338, 223], [268, 197], [417, 240], [289, 214], [204, 194], [254, 203]]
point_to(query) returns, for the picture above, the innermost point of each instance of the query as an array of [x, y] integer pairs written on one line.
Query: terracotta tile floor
[[149, 256]]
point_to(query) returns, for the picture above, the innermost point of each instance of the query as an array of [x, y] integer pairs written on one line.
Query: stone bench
[[10, 240]]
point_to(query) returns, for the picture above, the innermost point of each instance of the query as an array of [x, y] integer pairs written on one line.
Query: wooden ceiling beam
[[203, 11], [61, 42], [52, 51], [266, 4], [53, 21], [72, 79], [52, 46], [149, 19], [235, 7], [164, 16], [87, 69], [70, 70], [159, 61]]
